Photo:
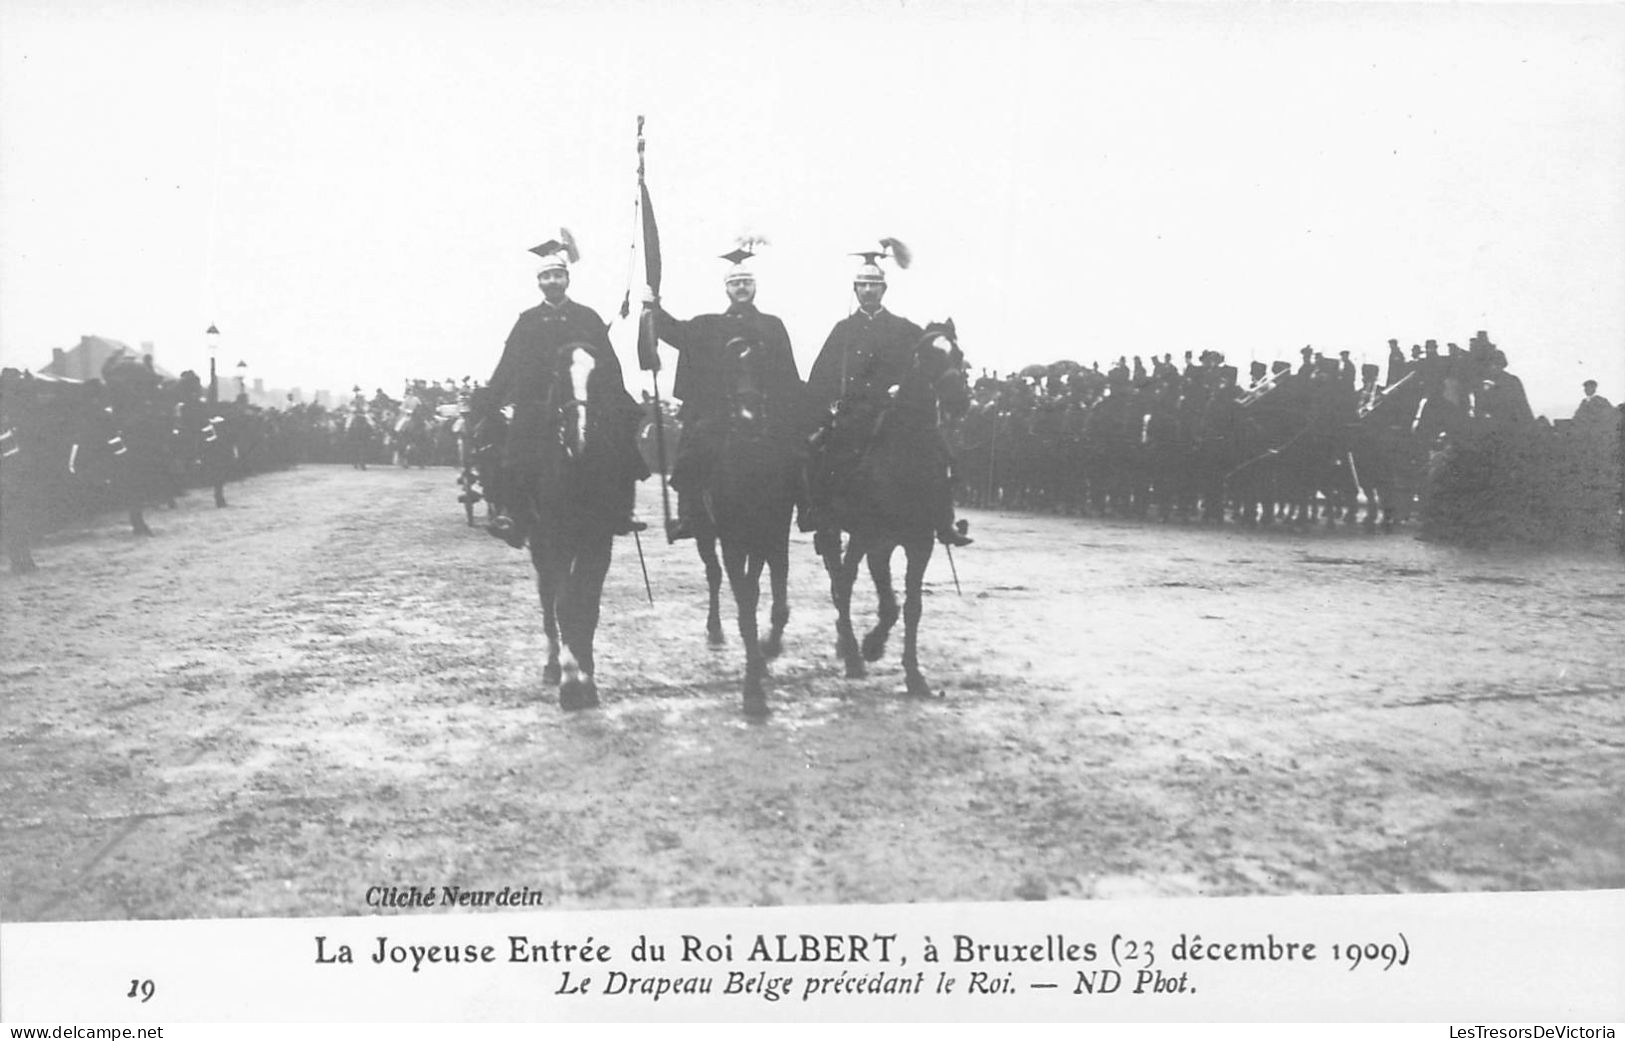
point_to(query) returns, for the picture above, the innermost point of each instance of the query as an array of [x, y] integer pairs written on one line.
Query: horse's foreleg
[[919, 555], [547, 589], [874, 644], [551, 576], [17, 537], [706, 546], [1375, 492], [578, 621], [778, 564], [745, 578], [842, 580]]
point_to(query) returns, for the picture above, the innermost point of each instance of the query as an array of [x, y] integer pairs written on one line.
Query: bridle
[[938, 342], [747, 398], [566, 401]]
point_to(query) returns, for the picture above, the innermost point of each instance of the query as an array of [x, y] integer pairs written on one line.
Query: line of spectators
[[1446, 438]]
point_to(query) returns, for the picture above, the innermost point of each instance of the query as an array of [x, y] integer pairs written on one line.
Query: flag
[[648, 351]]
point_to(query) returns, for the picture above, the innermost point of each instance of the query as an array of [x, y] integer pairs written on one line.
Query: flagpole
[[646, 327]]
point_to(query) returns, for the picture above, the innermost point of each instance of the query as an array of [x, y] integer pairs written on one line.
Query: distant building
[[274, 397], [86, 360]]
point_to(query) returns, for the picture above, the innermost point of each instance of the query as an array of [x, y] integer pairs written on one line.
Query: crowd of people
[[1446, 438], [71, 450]]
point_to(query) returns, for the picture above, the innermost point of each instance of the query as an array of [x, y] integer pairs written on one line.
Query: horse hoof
[[755, 707], [855, 669], [551, 673], [714, 637], [575, 695], [773, 646], [874, 646], [915, 686]]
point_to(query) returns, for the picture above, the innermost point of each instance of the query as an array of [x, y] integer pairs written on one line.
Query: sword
[[647, 589], [953, 568]]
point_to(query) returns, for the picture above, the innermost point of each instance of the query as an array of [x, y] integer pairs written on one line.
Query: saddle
[[836, 476]]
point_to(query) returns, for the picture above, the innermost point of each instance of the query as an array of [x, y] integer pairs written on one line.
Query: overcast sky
[[348, 189]]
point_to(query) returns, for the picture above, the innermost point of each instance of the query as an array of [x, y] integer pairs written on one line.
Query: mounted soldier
[[523, 376], [867, 354], [702, 344]]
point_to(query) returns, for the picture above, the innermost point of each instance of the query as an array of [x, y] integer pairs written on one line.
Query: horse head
[[745, 383], [939, 366], [568, 399]]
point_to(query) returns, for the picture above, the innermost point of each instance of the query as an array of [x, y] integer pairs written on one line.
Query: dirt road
[[335, 684]]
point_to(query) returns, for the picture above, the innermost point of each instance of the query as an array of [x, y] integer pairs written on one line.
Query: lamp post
[[212, 338], [242, 379]]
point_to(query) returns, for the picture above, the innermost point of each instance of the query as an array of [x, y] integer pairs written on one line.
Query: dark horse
[[358, 438], [749, 495], [901, 479], [572, 502]]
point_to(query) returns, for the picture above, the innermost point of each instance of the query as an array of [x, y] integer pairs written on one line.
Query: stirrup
[[955, 536], [504, 528]]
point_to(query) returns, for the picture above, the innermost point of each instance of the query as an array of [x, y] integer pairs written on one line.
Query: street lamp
[[212, 338], [242, 379]]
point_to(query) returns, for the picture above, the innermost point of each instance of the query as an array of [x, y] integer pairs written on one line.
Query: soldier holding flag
[[703, 344]]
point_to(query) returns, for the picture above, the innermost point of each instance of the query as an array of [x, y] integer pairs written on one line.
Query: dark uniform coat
[[701, 383], [523, 374], [701, 363], [864, 353], [1502, 401]]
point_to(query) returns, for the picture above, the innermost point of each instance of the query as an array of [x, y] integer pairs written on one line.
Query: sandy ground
[[335, 683]]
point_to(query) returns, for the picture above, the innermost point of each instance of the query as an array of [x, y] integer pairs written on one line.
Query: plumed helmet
[[868, 272], [557, 253], [739, 259], [871, 271]]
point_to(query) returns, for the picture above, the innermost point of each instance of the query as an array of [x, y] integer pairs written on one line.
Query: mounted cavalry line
[[879, 470]]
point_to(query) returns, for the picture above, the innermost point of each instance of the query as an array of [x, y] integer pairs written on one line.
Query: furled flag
[[648, 342]]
